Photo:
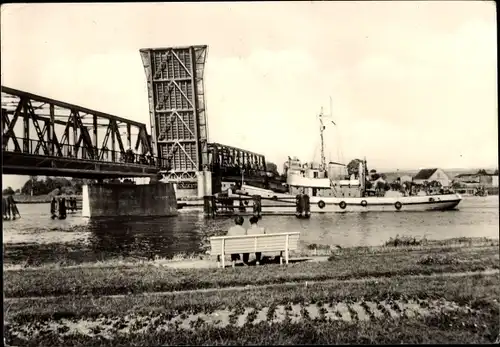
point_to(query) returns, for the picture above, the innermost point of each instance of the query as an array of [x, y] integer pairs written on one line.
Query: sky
[[413, 84]]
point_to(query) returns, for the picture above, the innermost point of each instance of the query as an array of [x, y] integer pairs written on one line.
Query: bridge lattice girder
[[231, 160], [45, 136]]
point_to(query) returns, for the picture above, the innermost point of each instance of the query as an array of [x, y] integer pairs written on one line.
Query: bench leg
[[218, 261], [223, 261], [281, 258]]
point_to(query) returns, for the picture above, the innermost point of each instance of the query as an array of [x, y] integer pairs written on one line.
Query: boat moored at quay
[[331, 204], [337, 187]]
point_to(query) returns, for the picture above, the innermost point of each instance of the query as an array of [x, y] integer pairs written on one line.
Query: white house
[[432, 175], [494, 181], [405, 178]]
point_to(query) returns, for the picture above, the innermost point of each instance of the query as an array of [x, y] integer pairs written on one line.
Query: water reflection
[[147, 237], [36, 237]]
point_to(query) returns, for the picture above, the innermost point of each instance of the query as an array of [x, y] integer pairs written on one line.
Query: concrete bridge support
[[141, 200]]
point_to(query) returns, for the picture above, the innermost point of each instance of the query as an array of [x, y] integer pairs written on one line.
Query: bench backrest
[[254, 243]]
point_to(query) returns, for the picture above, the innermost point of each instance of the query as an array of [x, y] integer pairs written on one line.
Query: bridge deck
[[30, 164]]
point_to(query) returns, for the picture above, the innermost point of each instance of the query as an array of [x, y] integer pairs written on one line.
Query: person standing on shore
[[238, 230], [256, 230]]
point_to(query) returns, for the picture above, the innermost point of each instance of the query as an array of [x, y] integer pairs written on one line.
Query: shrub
[[314, 246], [438, 259], [402, 241]]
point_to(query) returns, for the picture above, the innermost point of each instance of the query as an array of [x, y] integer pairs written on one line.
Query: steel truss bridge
[[232, 163], [43, 136]]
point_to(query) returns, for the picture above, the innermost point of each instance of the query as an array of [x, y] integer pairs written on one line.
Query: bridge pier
[[136, 200]]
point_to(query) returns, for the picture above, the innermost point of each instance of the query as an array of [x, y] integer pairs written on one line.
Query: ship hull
[[285, 203], [417, 203]]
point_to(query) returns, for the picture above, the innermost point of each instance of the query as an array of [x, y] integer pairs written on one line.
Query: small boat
[[331, 189]]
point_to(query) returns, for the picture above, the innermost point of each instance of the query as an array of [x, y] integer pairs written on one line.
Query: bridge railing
[[37, 147]]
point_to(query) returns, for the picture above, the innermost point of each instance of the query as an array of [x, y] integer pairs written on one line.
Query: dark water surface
[[35, 238]]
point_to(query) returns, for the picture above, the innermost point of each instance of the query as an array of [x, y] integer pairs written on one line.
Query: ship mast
[[321, 130]]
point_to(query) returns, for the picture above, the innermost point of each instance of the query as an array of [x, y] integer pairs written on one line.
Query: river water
[[35, 238]]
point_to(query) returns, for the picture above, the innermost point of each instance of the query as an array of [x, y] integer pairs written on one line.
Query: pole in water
[[257, 206], [298, 205], [5, 209], [213, 206], [13, 207], [62, 208], [53, 208]]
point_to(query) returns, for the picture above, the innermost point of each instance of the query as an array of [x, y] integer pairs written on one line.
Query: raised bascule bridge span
[[44, 136], [179, 126]]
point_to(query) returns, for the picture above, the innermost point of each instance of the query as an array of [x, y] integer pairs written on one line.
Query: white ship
[[331, 189]]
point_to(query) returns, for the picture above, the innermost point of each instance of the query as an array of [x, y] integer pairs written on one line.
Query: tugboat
[[331, 189]]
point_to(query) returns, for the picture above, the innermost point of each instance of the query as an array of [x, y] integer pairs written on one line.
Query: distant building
[[405, 178], [467, 178], [430, 175], [481, 178]]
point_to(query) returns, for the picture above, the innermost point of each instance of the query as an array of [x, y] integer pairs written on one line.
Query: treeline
[[53, 186]]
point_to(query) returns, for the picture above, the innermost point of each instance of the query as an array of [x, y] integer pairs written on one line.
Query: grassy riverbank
[[19, 256], [343, 264], [411, 293]]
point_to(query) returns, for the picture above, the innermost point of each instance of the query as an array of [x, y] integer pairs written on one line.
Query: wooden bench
[[280, 242]]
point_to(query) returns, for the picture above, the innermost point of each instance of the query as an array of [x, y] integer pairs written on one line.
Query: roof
[[466, 175], [475, 174], [424, 174]]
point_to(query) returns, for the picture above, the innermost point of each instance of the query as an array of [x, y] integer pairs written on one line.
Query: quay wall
[[114, 200]]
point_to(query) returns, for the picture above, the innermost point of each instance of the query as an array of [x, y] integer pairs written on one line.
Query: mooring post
[[214, 205], [257, 206], [299, 205], [206, 205], [307, 207]]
